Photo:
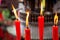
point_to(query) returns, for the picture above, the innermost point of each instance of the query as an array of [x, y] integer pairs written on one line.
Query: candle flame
[[27, 19], [14, 10], [42, 7], [55, 19]]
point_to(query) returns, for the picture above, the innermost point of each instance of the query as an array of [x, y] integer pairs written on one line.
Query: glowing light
[[27, 19], [14, 10], [55, 19], [42, 7]]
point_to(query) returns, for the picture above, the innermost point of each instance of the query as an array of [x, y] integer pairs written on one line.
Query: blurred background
[[7, 17]]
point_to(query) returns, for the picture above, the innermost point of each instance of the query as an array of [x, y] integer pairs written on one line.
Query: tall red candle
[[27, 34], [41, 27], [55, 32], [18, 32]]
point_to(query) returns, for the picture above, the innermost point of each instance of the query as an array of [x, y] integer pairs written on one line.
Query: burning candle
[[27, 30], [17, 24], [55, 28], [41, 22]]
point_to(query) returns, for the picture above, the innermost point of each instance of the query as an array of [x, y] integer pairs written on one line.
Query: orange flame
[[55, 19], [41, 12], [27, 19], [14, 10], [42, 7]]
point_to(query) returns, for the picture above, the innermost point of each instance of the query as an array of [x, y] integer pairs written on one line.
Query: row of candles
[[40, 26]]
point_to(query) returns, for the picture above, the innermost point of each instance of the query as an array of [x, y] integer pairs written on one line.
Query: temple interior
[[27, 13]]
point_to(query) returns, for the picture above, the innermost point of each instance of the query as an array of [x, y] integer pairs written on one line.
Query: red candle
[[41, 26], [27, 30], [27, 34], [18, 34], [55, 28], [55, 32], [17, 24]]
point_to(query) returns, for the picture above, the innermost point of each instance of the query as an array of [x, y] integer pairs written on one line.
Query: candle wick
[[41, 15], [16, 19], [27, 27], [55, 25]]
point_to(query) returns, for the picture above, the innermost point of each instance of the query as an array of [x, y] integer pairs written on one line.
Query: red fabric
[[0, 1], [8, 36], [1, 17], [1, 33]]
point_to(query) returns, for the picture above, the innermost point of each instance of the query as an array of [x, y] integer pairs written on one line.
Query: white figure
[[21, 8]]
